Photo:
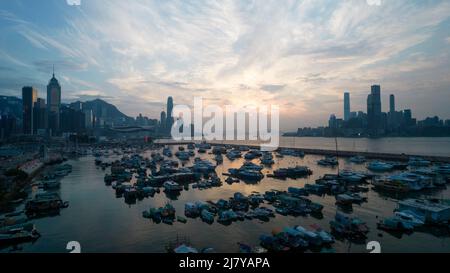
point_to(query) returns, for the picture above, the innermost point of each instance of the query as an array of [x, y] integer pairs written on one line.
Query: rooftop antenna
[[53, 70]]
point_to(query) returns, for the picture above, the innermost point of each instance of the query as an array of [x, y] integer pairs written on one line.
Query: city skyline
[[312, 54]]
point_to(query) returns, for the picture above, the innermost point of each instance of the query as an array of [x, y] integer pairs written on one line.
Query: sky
[[299, 55]]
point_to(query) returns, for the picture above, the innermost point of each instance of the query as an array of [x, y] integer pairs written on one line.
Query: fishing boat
[[45, 202], [218, 158], [233, 154], [348, 226], [386, 184], [231, 180], [51, 184], [267, 159], [344, 200], [311, 237], [328, 161], [167, 152], [443, 169], [172, 186], [298, 191], [183, 156], [326, 237], [433, 211], [18, 236], [292, 172], [358, 159], [402, 221], [414, 181], [418, 162], [349, 198], [191, 146], [351, 176], [378, 166], [203, 166], [226, 216], [207, 216]]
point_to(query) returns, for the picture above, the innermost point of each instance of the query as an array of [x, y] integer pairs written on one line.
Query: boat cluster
[[328, 161], [51, 180], [297, 238], [291, 172], [164, 214], [15, 229], [247, 172], [416, 178], [413, 214], [237, 208], [129, 176]]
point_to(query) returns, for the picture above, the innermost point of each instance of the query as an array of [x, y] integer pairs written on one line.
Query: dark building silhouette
[[346, 106], [169, 119], [392, 104], [39, 116], [29, 97], [374, 116], [53, 105], [8, 125], [72, 121]]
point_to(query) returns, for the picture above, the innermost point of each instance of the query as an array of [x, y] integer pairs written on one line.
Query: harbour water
[[100, 222], [436, 146], [415, 146]]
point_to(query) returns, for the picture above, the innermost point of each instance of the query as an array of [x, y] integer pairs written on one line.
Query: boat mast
[[337, 153]]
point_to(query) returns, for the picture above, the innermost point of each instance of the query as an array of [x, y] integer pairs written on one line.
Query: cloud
[[46, 66], [272, 87], [73, 2], [303, 54]]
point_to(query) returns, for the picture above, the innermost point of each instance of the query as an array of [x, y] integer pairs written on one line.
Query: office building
[[29, 97], [53, 105], [346, 106]]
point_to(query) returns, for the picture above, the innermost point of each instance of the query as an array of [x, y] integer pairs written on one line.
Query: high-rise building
[[78, 106], [346, 106], [88, 118], [332, 122], [40, 116], [374, 116], [7, 125], [391, 104], [29, 97], [72, 121], [54, 105], [169, 119], [163, 121]]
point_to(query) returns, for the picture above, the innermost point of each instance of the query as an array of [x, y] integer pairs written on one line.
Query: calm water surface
[[436, 146], [103, 223]]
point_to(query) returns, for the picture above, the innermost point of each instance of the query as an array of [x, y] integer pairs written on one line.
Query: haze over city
[[300, 55]]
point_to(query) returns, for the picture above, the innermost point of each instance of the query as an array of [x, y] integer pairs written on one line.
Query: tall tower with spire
[[53, 104]]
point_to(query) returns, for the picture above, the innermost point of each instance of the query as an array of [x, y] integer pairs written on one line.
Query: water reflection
[[103, 223]]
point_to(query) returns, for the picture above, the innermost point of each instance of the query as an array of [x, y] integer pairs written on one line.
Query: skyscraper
[[88, 118], [163, 119], [53, 105], [374, 109], [346, 106], [392, 104], [169, 119], [40, 116], [29, 97]]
